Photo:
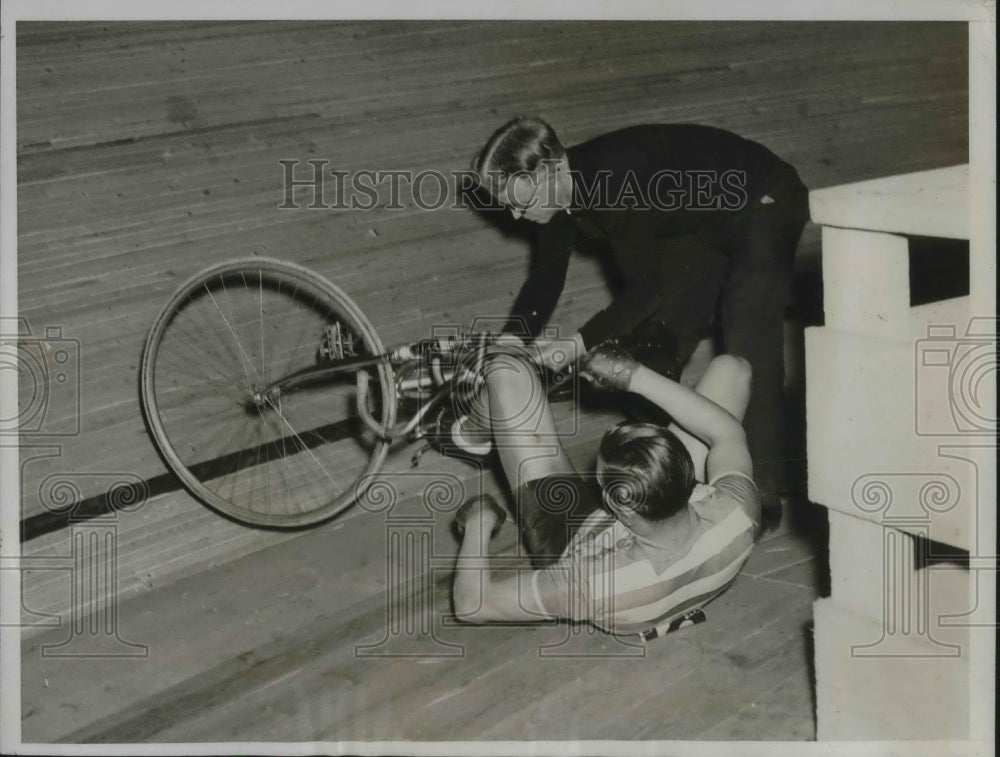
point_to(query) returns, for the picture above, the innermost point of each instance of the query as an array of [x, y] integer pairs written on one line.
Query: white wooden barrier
[[892, 410]]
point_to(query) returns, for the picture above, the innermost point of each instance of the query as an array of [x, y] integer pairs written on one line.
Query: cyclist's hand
[[509, 344], [609, 366], [481, 512], [509, 339]]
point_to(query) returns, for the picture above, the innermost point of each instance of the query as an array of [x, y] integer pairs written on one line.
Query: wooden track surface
[[271, 648]]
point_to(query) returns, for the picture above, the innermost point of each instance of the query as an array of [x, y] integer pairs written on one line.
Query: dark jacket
[[634, 190]]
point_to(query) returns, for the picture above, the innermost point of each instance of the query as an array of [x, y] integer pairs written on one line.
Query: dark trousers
[[739, 277]]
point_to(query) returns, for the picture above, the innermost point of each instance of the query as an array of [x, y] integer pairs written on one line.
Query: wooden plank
[[913, 689], [242, 685], [926, 203], [787, 709]]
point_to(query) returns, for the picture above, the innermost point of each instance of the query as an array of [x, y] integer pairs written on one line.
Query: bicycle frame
[[405, 359]]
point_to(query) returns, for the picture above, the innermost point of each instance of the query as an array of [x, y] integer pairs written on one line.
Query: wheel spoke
[[244, 358], [212, 337], [309, 450]]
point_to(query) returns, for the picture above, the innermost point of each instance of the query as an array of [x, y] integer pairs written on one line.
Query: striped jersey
[[624, 583]]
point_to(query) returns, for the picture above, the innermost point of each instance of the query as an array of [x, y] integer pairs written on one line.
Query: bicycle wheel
[[234, 328]]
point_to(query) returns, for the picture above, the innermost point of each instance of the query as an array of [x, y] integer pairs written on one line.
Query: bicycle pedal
[[337, 343]]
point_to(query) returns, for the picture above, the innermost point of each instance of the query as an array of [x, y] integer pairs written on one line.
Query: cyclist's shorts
[[550, 509]]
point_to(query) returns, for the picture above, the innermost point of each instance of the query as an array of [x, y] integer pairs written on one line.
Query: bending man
[[702, 227]]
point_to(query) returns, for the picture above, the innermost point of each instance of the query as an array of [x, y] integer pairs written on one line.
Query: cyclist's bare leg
[[726, 384], [524, 430], [533, 460]]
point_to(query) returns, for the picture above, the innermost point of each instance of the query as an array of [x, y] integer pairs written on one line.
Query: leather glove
[[609, 366]]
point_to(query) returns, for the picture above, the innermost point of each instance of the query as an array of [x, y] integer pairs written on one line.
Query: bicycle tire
[[181, 394]]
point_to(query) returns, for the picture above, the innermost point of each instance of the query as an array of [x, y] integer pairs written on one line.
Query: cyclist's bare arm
[[477, 596], [701, 417]]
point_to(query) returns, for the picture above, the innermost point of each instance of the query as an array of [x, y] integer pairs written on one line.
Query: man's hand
[[558, 354], [609, 366]]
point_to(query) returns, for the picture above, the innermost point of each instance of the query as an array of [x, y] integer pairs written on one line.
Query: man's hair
[[518, 146], [647, 469]]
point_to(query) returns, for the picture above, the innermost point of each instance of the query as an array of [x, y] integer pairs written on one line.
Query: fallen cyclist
[[639, 542]]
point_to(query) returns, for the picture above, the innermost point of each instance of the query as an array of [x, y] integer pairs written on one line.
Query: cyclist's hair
[[647, 469], [516, 147]]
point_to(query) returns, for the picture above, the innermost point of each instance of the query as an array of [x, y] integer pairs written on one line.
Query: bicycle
[[270, 395]]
